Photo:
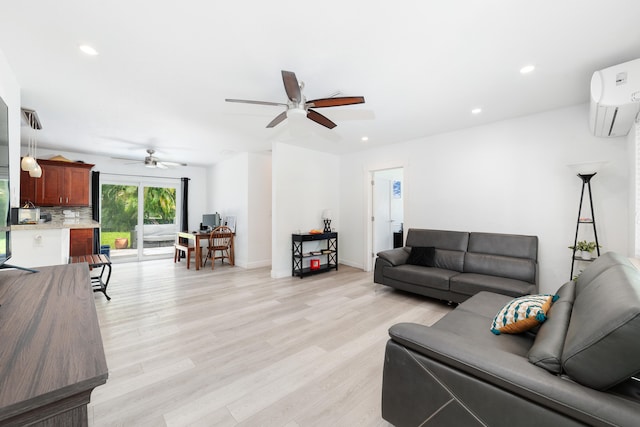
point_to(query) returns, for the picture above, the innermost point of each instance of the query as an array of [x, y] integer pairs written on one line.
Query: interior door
[[382, 232], [387, 211]]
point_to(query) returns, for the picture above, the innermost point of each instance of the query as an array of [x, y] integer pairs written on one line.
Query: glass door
[[159, 222], [139, 220], [119, 219]]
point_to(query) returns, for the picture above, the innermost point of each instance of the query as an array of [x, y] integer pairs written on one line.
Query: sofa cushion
[[502, 266], [397, 256], [602, 347], [597, 267], [470, 284], [546, 351], [511, 245], [422, 255], [485, 304], [441, 239], [472, 327], [449, 260], [522, 314], [417, 275]]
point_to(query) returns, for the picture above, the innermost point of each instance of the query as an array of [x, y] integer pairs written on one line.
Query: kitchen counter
[[56, 224], [47, 243]]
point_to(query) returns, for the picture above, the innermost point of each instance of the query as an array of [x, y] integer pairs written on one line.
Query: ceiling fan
[[152, 161], [298, 106]]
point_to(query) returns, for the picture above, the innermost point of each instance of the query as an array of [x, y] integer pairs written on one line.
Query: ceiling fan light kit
[[298, 106], [152, 161]]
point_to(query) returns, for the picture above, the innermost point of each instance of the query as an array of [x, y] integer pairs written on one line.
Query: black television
[[5, 192]]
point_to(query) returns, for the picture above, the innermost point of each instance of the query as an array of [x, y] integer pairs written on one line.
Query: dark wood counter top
[[51, 353]]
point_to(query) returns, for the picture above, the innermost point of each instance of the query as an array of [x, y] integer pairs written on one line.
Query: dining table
[[198, 236]]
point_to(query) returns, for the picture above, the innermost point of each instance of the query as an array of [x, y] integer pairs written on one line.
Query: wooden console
[[51, 353]]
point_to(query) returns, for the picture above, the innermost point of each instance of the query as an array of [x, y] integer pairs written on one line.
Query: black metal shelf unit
[[328, 255], [586, 182]]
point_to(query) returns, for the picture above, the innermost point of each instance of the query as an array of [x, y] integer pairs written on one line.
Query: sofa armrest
[[516, 375], [397, 256]]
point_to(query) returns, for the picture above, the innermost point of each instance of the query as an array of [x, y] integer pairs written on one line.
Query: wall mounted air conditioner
[[615, 99]]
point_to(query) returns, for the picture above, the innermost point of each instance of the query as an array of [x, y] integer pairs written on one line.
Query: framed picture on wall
[[230, 221], [397, 189]]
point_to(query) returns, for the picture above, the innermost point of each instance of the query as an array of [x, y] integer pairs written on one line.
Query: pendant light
[[29, 162]]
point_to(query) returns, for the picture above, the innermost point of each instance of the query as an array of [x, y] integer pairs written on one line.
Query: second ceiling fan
[[298, 104]]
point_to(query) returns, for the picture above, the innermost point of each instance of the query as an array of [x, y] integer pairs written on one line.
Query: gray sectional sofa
[[576, 369], [463, 264]]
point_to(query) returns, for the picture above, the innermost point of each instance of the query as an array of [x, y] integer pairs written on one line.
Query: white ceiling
[[165, 67]]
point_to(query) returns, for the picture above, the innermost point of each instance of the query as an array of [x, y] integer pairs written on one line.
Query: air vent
[[31, 118]]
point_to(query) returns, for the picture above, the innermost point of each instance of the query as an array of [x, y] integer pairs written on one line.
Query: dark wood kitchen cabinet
[[61, 184]]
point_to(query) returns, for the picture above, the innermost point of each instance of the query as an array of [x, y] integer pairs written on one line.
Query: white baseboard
[[279, 274], [259, 264], [352, 264]]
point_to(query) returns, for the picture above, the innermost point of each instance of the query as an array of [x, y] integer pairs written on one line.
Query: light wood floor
[[235, 347]]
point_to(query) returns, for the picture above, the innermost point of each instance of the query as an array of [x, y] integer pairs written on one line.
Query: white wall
[[10, 93], [507, 177], [259, 195], [633, 142], [305, 182], [241, 186]]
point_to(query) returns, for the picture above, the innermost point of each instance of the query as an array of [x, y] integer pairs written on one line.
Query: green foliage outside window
[[120, 206]]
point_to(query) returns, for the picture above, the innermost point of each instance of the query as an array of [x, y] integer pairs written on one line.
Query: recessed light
[[527, 69], [88, 50], [365, 138], [476, 111]]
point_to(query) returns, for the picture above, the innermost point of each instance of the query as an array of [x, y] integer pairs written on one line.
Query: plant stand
[[586, 182]]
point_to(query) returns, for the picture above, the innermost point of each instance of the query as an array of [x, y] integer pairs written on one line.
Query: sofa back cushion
[[601, 264], [504, 255], [602, 347], [440, 239], [501, 266], [511, 245], [450, 246], [546, 351], [449, 260]]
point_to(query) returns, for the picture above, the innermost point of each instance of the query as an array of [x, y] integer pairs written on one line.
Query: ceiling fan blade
[[335, 102], [126, 158], [247, 101], [291, 86], [172, 163], [279, 118], [161, 165], [320, 119]]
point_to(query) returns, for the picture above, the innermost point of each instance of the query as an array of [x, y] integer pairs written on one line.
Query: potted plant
[[585, 248]]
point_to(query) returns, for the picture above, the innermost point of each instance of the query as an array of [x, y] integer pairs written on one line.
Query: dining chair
[[183, 246], [220, 245]]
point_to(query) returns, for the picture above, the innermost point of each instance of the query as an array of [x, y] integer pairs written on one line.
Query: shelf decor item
[[584, 249], [314, 264], [326, 216]]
